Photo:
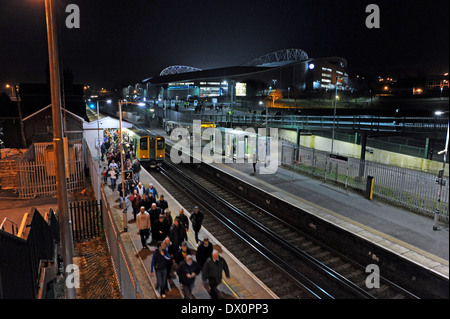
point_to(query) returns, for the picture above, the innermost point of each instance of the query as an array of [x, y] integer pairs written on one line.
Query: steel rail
[[310, 287]]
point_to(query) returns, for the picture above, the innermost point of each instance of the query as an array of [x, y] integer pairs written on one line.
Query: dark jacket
[[184, 220], [154, 214], [159, 261], [158, 227], [212, 271], [203, 253], [196, 220], [136, 167], [162, 204], [184, 269], [179, 257], [177, 234]]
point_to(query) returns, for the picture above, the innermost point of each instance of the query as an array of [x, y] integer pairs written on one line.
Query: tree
[[275, 95]]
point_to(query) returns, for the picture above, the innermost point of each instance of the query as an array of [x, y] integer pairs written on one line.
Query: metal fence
[[36, 171], [86, 219], [415, 190], [129, 285]]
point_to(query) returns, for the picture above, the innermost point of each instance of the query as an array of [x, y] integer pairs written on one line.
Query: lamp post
[[15, 91], [441, 175], [63, 201], [334, 112]]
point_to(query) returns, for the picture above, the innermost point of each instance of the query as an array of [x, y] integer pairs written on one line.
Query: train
[[149, 148]]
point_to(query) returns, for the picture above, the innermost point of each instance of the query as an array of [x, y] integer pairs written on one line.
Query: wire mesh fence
[[415, 190]]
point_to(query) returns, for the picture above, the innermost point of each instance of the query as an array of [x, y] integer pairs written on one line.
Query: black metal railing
[[20, 257], [86, 217]]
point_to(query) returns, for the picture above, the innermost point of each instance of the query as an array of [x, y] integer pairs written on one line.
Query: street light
[[440, 174], [63, 200], [10, 87], [334, 113]]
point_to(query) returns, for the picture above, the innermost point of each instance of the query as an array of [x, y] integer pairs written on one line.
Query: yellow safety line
[[372, 230]]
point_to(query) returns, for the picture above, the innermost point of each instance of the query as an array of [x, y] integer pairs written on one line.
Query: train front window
[[160, 143], [143, 144]]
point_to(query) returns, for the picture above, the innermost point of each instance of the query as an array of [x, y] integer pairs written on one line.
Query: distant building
[[292, 71], [33, 98]]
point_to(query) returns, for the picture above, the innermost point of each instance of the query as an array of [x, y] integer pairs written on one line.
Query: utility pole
[[19, 110], [441, 181], [63, 201]]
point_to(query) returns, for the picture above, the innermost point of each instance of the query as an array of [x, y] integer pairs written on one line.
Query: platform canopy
[[105, 123]]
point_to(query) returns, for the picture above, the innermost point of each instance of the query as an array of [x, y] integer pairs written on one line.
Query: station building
[[291, 71]]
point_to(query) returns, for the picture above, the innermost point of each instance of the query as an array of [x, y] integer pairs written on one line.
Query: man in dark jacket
[[136, 169], [187, 272], [184, 220], [177, 234], [162, 203], [160, 229], [204, 251], [196, 220], [212, 272], [154, 212]]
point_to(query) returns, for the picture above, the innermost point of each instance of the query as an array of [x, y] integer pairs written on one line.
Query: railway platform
[[406, 234], [242, 284]]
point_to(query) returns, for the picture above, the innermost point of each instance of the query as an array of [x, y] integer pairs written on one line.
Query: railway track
[[290, 263]]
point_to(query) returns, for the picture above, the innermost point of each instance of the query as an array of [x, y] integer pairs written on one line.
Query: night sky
[[122, 42]]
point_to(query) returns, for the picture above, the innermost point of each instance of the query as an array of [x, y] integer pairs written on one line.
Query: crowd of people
[[158, 228]]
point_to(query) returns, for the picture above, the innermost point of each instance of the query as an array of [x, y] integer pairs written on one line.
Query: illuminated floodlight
[[108, 101], [438, 113], [311, 66], [141, 104]]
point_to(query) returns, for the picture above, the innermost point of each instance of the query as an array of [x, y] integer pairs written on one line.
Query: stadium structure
[[290, 71]]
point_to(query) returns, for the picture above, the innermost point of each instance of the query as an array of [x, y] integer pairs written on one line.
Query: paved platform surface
[[242, 284]]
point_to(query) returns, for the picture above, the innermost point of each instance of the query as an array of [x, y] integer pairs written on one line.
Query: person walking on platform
[[135, 199], [177, 234], [196, 220], [143, 225], [162, 203], [136, 168], [152, 189], [184, 220], [113, 177], [161, 230], [255, 160], [212, 273], [160, 261], [204, 251], [168, 217], [180, 254], [140, 189], [187, 271], [154, 213], [123, 197], [145, 202]]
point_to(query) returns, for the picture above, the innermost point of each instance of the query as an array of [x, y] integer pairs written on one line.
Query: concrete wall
[[354, 150]]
